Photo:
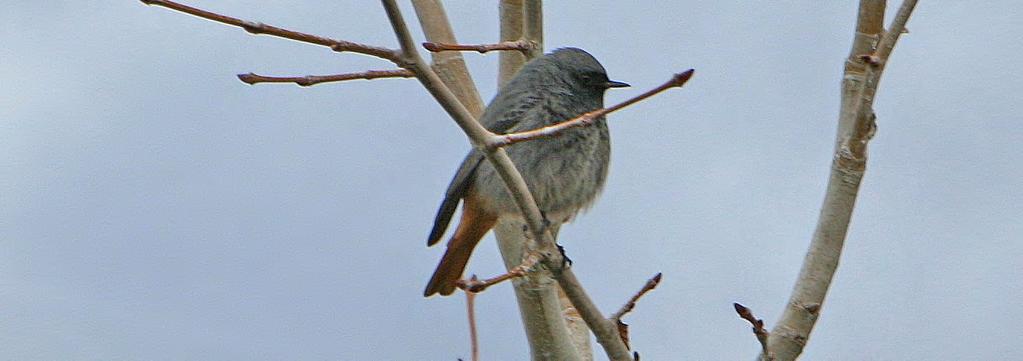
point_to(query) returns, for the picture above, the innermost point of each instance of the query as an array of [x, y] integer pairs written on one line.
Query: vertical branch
[[532, 26], [511, 12], [856, 127], [554, 327], [869, 25], [470, 309], [449, 65], [541, 313]]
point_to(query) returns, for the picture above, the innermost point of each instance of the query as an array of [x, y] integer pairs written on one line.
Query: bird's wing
[[503, 114], [456, 191]]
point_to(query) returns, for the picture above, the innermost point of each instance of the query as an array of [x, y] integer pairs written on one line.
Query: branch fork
[[871, 49]]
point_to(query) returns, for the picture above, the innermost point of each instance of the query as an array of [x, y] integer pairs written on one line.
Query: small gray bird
[[565, 173]]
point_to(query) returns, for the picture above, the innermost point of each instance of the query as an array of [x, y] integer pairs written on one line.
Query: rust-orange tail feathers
[[471, 228]]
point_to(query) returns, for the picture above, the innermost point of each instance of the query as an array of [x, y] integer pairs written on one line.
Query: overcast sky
[[153, 207]]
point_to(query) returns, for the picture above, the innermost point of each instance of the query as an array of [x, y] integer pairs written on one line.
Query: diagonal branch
[[758, 328], [628, 306], [260, 28], [678, 80], [616, 318], [308, 80]]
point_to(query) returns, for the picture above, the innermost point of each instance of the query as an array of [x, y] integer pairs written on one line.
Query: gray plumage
[[565, 173]]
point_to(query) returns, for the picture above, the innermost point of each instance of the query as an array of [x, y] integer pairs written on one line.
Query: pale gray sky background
[[152, 207]]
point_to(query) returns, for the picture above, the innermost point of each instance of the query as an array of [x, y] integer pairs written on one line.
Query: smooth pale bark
[[449, 65], [541, 308], [862, 74]]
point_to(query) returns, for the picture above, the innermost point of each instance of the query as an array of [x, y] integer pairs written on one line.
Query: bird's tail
[[471, 229]]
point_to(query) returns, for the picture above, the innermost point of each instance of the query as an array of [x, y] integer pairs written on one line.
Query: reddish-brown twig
[[308, 80], [758, 328], [260, 28], [623, 329], [470, 306], [518, 45], [474, 285], [502, 140], [628, 306]]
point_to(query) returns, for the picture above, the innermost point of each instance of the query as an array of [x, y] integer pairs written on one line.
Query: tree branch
[[678, 80], [449, 66], [474, 285], [856, 127], [532, 26], [758, 328], [518, 45], [260, 28], [509, 63], [308, 80], [470, 309], [628, 306]]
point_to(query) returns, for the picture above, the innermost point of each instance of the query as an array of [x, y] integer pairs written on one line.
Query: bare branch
[[449, 66], [628, 306], [532, 26], [678, 80], [518, 45], [603, 329], [856, 127], [896, 29], [470, 309], [509, 63], [308, 80], [260, 28], [758, 328], [474, 285]]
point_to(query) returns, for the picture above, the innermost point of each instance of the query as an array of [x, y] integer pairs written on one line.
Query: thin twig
[[474, 285], [470, 308], [518, 45], [260, 28], [251, 78], [677, 80], [628, 306], [758, 328]]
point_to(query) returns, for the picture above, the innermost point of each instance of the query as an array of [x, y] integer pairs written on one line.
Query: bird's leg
[[546, 223], [566, 262]]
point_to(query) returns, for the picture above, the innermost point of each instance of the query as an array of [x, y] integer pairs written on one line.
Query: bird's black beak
[[616, 84]]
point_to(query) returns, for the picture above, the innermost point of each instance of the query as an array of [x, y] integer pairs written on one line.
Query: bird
[[564, 173]]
